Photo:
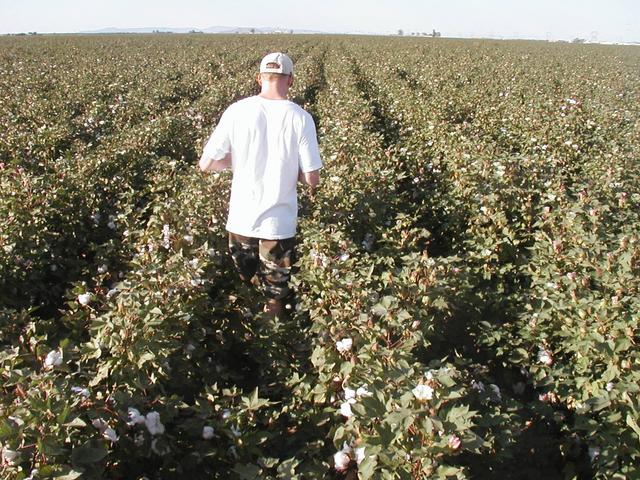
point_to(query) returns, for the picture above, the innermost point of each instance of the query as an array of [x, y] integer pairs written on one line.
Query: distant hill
[[215, 29]]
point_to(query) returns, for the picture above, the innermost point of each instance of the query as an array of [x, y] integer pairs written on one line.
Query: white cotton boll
[[236, 431], [102, 269], [53, 359], [344, 345], [110, 434], [153, 423], [454, 442], [349, 393], [166, 237], [111, 225], [84, 298], [341, 461], [363, 392], [207, 432], [359, 455], [84, 392], [545, 357], [112, 292], [100, 424], [477, 385], [17, 421], [10, 457], [34, 473], [345, 410], [423, 392], [134, 417], [188, 238]]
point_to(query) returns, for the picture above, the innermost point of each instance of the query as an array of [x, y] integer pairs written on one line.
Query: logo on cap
[[277, 62]]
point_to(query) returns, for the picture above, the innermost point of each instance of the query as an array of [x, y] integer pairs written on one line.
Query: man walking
[[270, 144]]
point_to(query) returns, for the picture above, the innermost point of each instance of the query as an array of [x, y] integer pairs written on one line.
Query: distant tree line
[[433, 33]]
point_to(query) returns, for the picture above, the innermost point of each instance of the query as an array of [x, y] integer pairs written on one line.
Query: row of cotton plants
[[467, 280]]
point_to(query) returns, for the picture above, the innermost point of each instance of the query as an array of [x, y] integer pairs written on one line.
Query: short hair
[[271, 75]]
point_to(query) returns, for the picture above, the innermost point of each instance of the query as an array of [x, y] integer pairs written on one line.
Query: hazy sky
[[605, 20]]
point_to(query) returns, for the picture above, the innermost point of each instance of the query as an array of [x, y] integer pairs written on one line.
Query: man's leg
[[244, 253], [276, 260]]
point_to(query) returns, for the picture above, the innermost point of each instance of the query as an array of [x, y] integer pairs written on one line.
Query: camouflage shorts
[[270, 260]]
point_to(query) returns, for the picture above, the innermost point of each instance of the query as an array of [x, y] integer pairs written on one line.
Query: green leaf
[[598, 403], [91, 451], [268, 462], [345, 368], [445, 471], [71, 475], [248, 471], [379, 310], [62, 416], [145, 357], [287, 469], [633, 424], [103, 372], [519, 355], [254, 402], [76, 422], [49, 446], [367, 468], [610, 374], [9, 354], [317, 357]]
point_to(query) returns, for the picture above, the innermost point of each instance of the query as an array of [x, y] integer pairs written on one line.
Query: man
[[270, 144]]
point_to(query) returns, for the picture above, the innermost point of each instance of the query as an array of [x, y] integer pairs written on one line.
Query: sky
[[604, 20]]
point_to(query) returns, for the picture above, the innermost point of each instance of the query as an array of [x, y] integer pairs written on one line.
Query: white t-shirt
[[269, 140]]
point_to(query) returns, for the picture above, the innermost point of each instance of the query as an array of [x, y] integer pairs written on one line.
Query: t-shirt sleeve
[[219, 144], [309, 152]]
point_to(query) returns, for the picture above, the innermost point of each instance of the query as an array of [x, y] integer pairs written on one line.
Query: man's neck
[[272, 96]]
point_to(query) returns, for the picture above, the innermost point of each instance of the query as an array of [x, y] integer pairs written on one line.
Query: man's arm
[[208, 164], [309, 161], [310, 178], [216, 154]]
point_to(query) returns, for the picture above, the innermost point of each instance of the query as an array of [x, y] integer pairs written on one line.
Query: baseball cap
[[276, 62]]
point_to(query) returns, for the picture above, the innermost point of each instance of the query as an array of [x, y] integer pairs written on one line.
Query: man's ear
[[259, 79], [291, 79]]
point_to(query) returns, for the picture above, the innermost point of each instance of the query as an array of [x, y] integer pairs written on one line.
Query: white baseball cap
[[276, 62]]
